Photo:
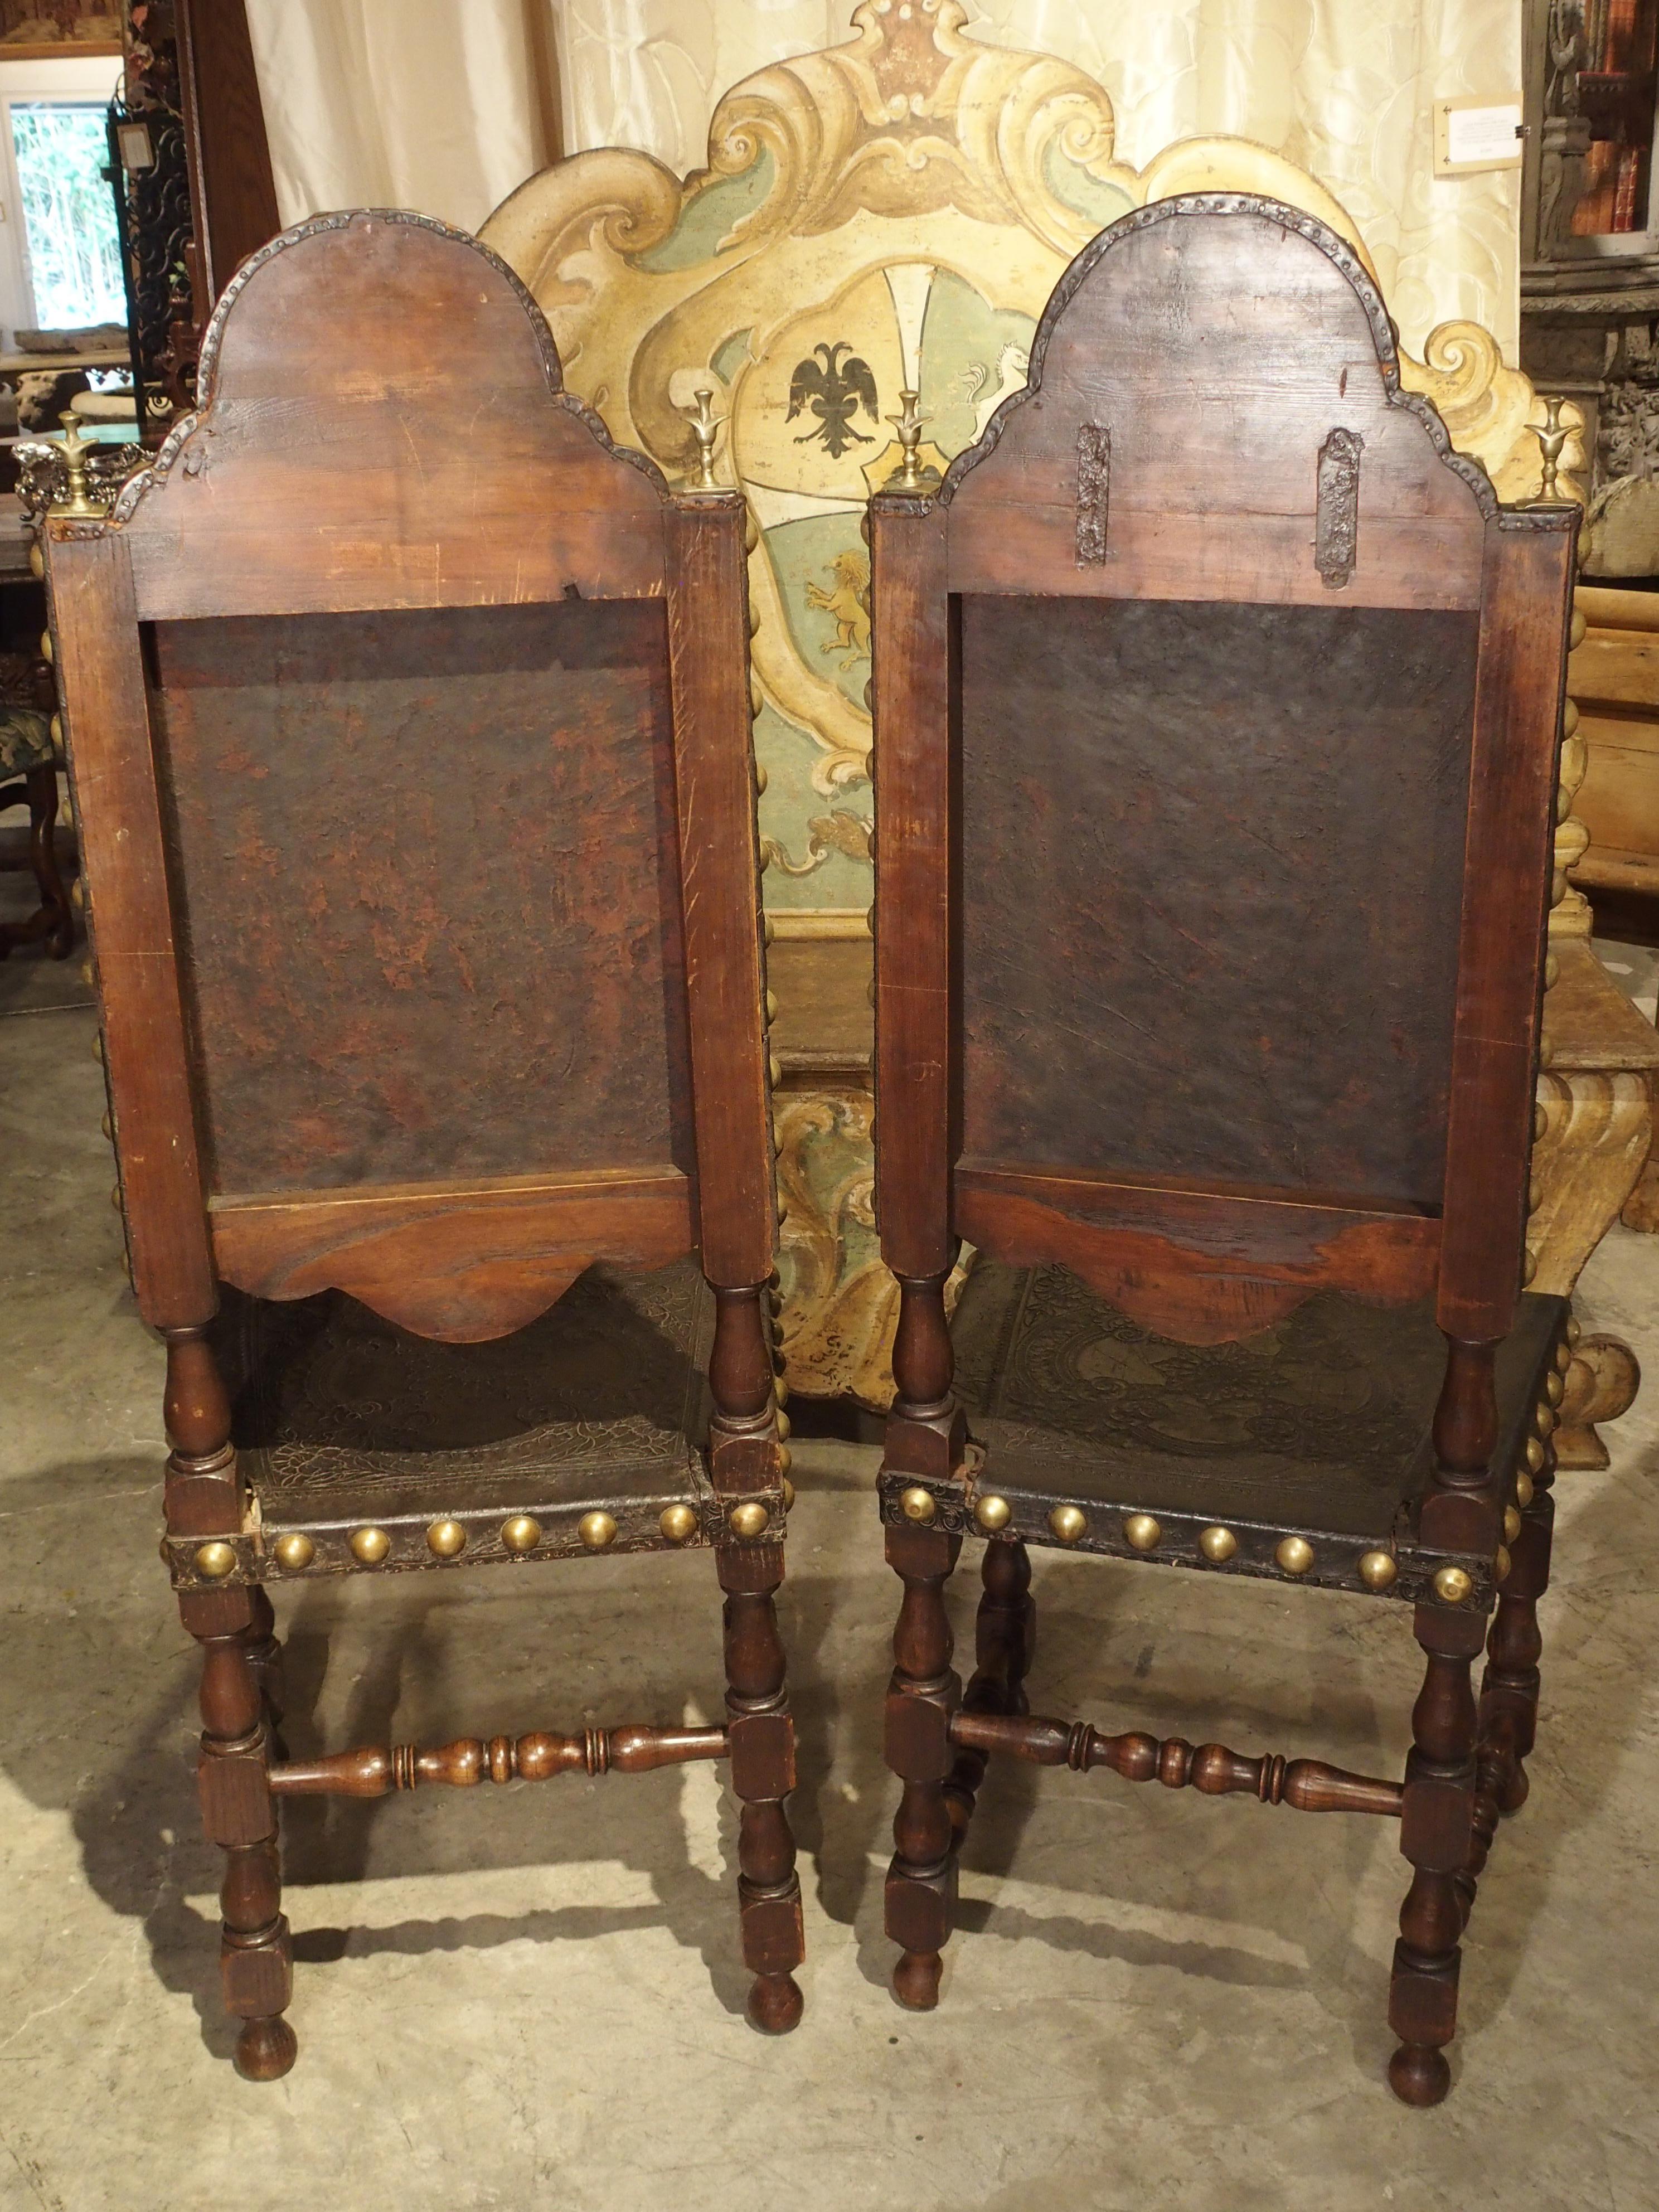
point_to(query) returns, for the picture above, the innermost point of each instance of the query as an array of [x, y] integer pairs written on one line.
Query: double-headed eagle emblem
[[832, 391]]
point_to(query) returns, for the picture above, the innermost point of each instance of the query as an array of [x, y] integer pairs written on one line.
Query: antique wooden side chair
[[409, 723], [1216, 706]]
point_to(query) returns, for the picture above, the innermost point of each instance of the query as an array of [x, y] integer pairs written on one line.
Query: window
[[60, 266], [61, 149]]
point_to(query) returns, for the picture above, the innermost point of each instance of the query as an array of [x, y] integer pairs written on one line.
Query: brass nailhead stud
[[786, 1459], [521, 1535], [370, 1545], [749, 1519], [46, 653], [215, 1561], [774, 1070], [597, 1530], [1575, 1330], [1554, 1387], [1523, 1492], [919, 1504], [993, 1513], [678, 1524], [1545, 1422], [1141, 1532], [760, 781], [1452, 1585], [1529, 1266], [1511, 1524], [37, 562], [296, 1551], [1067, 1524], [1217, 1544], [1295, 1555], [1500, 1565], [788, 1495], [784, 1430], [1534, 1456], [1563, 1355], [1540, 1122], [1378, 1571], [771, 1006], [769, 931], [444, 1539]]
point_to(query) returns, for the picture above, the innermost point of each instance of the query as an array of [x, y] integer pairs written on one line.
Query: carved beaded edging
[[208, 364], [1337, 251]]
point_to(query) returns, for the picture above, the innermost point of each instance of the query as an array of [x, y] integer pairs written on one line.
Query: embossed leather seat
[[342, 1419], [1216, 706], [410, 725], [1317, 1430]]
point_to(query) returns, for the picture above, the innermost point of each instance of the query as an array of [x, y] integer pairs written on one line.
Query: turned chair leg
[[1510, 1687], [264, 1655], [1435, 1835], [921, 1696], [1004, 1644], [762, 1760], [59, 921], [255, 1958], [53, 920]]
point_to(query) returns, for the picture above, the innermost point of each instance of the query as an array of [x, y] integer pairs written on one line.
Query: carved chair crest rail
[[1217, 707], [454, 1077]]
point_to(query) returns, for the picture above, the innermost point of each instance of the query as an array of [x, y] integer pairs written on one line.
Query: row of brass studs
[[447, 1538], [1294, 1555], [1142, 1532]]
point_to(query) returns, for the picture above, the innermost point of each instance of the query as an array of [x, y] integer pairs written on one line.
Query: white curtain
[[440, 105], [446, 104]]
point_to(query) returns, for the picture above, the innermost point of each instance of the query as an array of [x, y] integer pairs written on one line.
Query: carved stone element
[[1565, 144], [1094, 476], [1602, 1384], [1336, 524], [1598, 1126]]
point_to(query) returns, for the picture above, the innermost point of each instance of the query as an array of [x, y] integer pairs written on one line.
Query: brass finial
[[1552, 443], [912, 476], [706, 426], [79, 505]]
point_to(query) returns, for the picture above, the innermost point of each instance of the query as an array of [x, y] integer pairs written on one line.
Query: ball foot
[[266, 2048], [1516, 1790], [1418, 2075], [915, 1980], [775, 2003]]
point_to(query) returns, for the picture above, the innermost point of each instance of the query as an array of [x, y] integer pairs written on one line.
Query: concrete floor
[[533, 1996]]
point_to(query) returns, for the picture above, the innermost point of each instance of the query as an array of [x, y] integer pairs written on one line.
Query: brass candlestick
[[78, 505], [911, 476], [706, 426], [1552, 443]]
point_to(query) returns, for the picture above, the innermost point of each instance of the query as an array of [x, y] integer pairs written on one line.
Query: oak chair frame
[[1215, 1264], [408, 511]]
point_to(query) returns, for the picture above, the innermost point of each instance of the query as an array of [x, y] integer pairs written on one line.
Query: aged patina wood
[[1215, 790], [409, 725]]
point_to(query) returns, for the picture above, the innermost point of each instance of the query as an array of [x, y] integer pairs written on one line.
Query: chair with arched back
[[1217, 707], [409, 724]]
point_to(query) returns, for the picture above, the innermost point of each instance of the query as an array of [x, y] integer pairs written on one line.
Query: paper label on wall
[[1478, 134]]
